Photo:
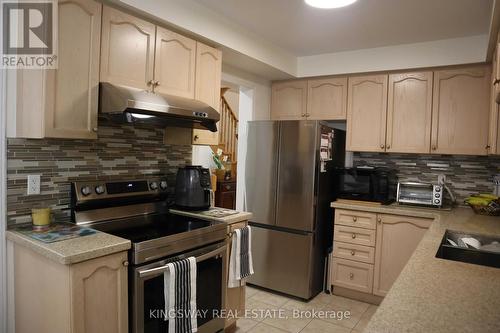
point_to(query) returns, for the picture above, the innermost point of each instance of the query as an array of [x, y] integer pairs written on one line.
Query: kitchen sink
[[454, 248]]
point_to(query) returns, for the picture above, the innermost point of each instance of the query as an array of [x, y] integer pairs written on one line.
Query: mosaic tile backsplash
[[465, 175], [121, 151]]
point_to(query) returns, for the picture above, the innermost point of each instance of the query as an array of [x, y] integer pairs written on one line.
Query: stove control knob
[[163, 185], [99, 189], [153, 186], [86, 190]]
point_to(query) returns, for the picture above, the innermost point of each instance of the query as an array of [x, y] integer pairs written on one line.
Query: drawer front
[[353, 235], [227, 187], [354, 218], [353, 275], [354, 252]]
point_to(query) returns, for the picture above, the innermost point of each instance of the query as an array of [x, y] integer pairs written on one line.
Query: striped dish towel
[[180, 296], [240, 261]]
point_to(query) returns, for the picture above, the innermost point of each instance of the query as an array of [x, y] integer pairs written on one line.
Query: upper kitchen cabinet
[[461, 108], [72, 89], [207, 87], [366, 113], [494, 137], [327, 99], [62, 102], [409, 113], [175, 60], [289, 100], [208, 74], [127, 49]]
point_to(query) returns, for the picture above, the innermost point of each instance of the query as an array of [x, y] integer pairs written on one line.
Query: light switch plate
[[33, 184]]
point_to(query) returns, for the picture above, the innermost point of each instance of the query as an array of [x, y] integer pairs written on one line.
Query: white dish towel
[[180, 296], [240, 261]]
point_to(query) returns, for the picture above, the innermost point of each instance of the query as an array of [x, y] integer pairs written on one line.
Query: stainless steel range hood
[[132, 105]]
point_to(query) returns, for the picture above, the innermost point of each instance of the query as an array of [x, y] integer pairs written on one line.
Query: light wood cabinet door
[[127, 49], [72, 88], [289, 100], [175, 60], [327, 99], [366, 113], [99, 297], [235, 297], [461, 108], [397, 239], [409, 113], [493, 139], [207, 87], [208, 74]]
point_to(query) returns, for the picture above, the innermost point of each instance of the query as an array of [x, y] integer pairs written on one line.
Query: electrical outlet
[[441, 179], [33, 184]]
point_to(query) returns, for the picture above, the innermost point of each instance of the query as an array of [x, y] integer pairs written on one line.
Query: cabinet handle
[[434, 147], [303, 115], [379, 220], [353, 236], [496, 82], [125, 263], [388, 147], [196, 137], [354, 218], [488, 146], [157, 83], [382, 146], [352, 252], [228, 187], [351, 276], [150, 83], [94, 129]]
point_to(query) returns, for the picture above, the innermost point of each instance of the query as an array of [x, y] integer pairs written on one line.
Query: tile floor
[[256, 299]]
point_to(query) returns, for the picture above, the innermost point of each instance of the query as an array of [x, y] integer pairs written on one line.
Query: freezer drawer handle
[[353, 236]]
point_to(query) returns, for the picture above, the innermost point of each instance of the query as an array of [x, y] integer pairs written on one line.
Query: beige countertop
[[230, 219], [72, 251], [437, 295]]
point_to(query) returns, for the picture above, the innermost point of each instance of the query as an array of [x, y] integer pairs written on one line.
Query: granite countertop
[[75, 250], [437, 295], [230, 219]]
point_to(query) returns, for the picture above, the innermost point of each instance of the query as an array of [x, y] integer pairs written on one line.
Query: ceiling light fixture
[[329, 4]]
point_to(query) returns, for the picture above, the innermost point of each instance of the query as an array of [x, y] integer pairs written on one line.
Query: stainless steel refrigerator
[[288, 180]]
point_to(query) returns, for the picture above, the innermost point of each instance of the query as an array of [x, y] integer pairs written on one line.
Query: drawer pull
[[353, 236], [351, 276], [379, 220], [228, 187], [352, 252], [354, 218]]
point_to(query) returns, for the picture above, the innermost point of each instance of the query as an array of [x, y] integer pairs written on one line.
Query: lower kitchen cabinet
[[86, 297], [235, 297], [370, 260]]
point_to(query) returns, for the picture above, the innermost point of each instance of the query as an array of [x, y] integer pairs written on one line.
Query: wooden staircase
[[228, 131]]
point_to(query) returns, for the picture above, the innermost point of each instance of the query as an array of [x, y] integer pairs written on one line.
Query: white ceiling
[[305, 31]]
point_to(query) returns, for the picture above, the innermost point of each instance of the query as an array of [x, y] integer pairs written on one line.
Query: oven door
[[147, 294]]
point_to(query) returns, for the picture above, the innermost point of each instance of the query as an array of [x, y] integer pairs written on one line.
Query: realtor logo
[[29, 34]]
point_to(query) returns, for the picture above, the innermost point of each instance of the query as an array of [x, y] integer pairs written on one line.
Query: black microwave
[[366, 184]]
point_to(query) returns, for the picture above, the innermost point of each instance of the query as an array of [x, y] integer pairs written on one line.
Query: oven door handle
[[203, 257]]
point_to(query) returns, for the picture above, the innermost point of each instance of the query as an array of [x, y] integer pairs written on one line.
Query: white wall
[[3, 203], [429, 54], [202, 21]]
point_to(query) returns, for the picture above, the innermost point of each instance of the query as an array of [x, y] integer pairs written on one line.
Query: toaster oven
[[425, 194]]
